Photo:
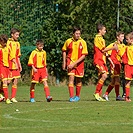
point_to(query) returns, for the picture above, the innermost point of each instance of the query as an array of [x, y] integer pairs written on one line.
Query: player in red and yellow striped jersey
[[4, 66], [127, 58], [14, 61], [37, 61], [115, 70], [100, 59], [74, 52]]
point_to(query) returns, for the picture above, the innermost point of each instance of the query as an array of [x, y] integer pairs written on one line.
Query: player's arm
[[19, 54], [14, 61], [76, 62], [34, 69], [111, 62], [20, 67], [64, 60], [115, 47], [30, 62]]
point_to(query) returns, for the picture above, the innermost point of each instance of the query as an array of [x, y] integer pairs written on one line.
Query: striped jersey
[[127, 57], [37, 58], [4, 56], [75, 49], [15, 53], [115, 55], [99, 45]]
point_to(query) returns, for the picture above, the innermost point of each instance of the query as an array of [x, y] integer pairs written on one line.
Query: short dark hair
[[119, 33], [39, 42], [3, 38], [14, 30], [75, 28], [99, 27]]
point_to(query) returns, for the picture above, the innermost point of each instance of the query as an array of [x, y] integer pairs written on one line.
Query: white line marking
[[62, 123]]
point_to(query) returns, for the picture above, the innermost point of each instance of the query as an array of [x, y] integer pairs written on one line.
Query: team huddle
[[74, 52]]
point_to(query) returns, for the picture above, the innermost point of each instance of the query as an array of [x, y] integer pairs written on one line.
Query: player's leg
[[117, 89], [43, 75], [99, 86], [14, 90], [47, 91], [127, 88], [109, 89], [128, 76], [71, 88], [5, 89], [123, 82], [123, 87], [78, 88], [32, 92]]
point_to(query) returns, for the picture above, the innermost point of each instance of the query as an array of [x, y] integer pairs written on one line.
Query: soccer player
[[100, 53], [37, 61], [127, 58], [115, 72], [74, 52], [4, 66], [14, 61]]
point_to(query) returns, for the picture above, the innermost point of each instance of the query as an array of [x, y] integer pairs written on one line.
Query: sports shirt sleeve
[[99, 42], [64, 48], [31, 62], [84, 51], [122, 51]]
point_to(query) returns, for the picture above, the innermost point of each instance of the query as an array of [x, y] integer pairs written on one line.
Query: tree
[[41, 20]]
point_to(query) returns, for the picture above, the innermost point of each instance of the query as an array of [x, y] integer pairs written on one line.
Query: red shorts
[[13, 74], [128, 72], [40, 75], [116, 71], [77, 71], [4, 75], [102, 68]]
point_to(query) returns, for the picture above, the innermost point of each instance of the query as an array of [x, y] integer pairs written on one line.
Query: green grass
[[61, 116]]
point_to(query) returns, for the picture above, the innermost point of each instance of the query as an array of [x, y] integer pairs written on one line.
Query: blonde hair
[[130, 35]]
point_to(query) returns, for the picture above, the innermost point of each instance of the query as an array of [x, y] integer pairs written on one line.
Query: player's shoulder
[[34, 51], [43, 51], [111, 44], [98, 37], [69, 39], [82, 40]]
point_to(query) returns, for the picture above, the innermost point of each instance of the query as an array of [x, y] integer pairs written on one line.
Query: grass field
[[61, 116]]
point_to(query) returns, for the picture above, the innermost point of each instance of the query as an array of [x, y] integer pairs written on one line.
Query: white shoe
[[106, 97], [14, 100]]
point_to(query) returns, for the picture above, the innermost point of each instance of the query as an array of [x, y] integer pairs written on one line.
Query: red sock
[[117, 88], [14, 90], [127, 89], [71, 90], [47, 92], [109, 89], [100, 93], [32, 92], [5, 89], [78, 89], [99, 86]]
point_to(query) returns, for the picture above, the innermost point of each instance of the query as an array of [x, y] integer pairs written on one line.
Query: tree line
[[53, 20]]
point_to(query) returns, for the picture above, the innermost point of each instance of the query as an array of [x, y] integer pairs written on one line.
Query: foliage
[[53, 23]]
